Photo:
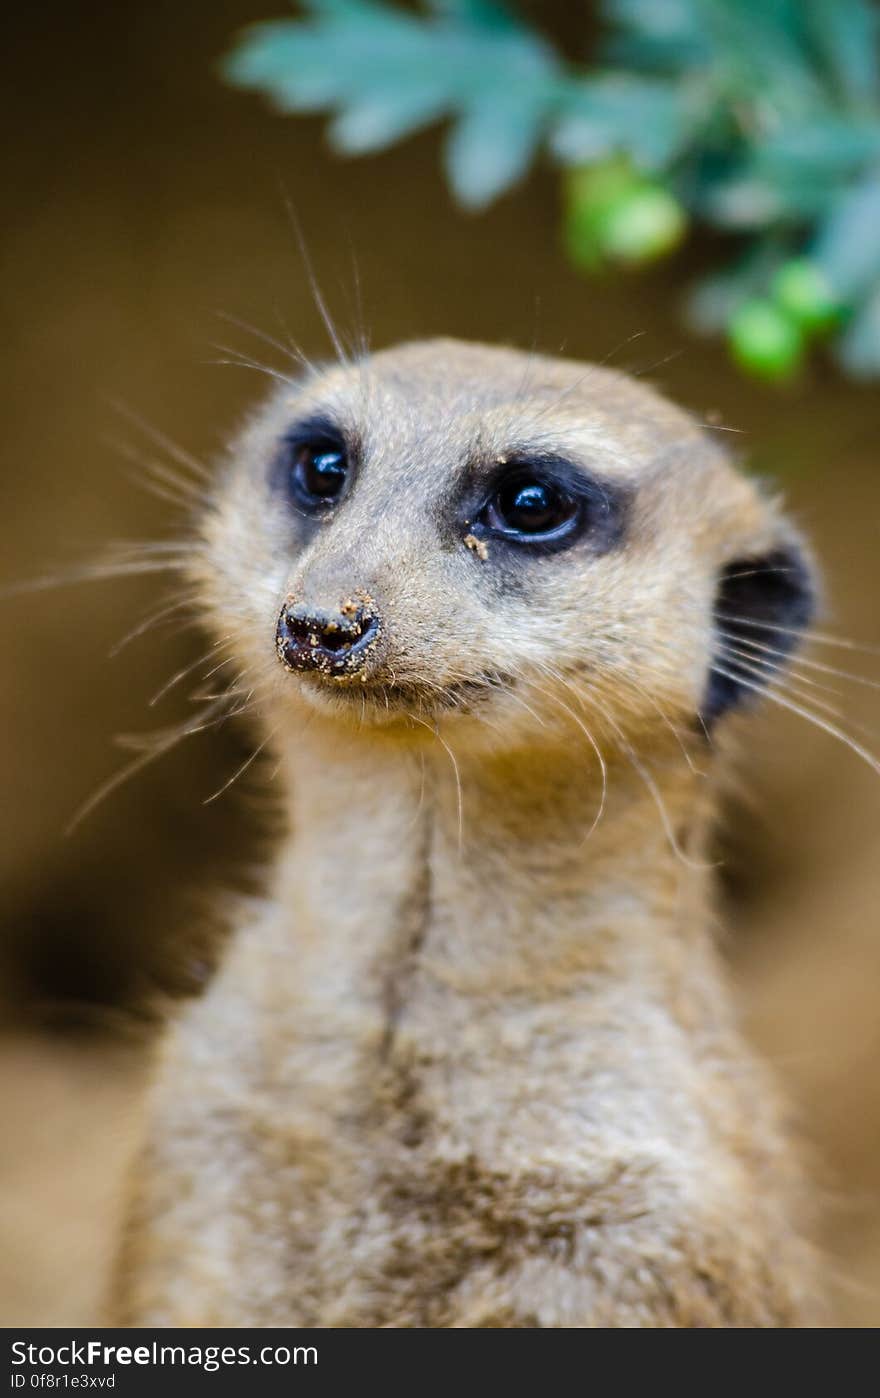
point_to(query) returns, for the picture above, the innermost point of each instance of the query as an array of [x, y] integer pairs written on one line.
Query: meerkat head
[[446, 530]]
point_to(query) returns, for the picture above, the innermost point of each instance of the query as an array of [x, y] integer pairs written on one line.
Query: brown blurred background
[[142, 198]]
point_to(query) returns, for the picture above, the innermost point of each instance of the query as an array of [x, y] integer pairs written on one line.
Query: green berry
[[614, 213], [592, 187], [765, 341], [802, 290], [642, 225], [588, 193]]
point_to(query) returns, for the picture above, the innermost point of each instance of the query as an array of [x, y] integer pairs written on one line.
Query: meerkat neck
[[506, 870]]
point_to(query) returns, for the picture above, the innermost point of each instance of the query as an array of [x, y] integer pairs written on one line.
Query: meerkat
[[473, 1061]]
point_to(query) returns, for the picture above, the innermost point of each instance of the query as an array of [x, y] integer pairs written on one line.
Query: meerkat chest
[[386, 1137], [404, 1138]]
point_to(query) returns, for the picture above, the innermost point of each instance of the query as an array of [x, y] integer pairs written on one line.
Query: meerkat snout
[[334, 643]]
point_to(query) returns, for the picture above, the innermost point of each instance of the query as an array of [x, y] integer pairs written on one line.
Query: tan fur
[[473, 1061]]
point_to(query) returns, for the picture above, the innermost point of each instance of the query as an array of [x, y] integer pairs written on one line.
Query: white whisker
[[771, 675], [786, 658], [652, 787], [432, 728], [290, 351], [825, 724], [242, 361], [822, 637], [161, 745], [177, 453], [600, 758], [154, 618], [188, 669], [242, 768], [317, 295], [91, 572]]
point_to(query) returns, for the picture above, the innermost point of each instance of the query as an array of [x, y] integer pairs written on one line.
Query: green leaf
[[762, 115], [386, 72], [846, 34], [492, 147], [744, 202], [304, 67], [344, 9], [753, 197], [826, 146], [848, 246], [655, 35], [858, 350], [379, 120], [486, 12], [617, 112], [265, 53]]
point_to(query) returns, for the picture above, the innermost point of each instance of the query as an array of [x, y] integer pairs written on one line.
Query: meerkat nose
[[334, 643]]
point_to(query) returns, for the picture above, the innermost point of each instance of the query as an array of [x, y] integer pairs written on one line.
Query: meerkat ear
[[763, 605]]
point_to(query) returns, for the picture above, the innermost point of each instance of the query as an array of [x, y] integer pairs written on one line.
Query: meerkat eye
[[525, 506], [317, 471]]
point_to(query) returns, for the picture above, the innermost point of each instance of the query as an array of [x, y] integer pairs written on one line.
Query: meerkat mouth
[[383, 698]]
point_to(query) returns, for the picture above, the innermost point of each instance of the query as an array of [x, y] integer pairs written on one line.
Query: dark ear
[[762, 607]]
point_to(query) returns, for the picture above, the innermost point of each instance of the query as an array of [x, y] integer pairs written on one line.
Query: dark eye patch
[[542, 502], [314, 465]]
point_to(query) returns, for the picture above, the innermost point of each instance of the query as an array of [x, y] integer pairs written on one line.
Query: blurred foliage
[[760, 118]]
